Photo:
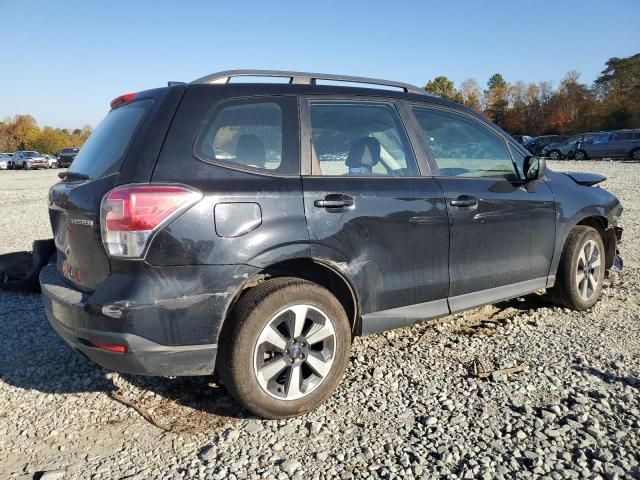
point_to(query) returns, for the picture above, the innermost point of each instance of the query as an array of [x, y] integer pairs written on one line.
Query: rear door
[[370, 213], [133, 132], [502, 231]]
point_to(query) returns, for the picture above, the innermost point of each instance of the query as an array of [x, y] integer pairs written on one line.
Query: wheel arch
[[318, 271], [596, 221]]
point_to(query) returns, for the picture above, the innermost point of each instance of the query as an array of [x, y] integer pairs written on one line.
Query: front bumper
[[162, 337], [37, 164]]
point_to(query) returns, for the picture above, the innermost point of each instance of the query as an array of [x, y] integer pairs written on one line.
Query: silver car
[[619, 144], [566, 149], [28, 159]]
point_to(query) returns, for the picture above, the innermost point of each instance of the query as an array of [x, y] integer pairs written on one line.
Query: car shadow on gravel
[[610, 377], [34, 358]]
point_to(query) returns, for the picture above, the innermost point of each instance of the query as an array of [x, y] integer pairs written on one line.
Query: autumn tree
[[496, 99], [471, 94], [443, 87]]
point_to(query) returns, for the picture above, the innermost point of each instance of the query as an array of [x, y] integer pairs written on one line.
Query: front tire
[[285, 347], [635, 154], [25, 166], [581, 270]]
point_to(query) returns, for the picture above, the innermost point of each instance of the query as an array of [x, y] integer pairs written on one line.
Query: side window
[[359, 138], [463, 147], [245, 134], [623, 136], [518, 159]]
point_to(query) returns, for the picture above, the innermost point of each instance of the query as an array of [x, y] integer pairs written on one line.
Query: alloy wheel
[[588, 269], [294, 352]]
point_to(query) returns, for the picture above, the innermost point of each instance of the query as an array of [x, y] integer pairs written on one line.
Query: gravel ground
[[408, 406]]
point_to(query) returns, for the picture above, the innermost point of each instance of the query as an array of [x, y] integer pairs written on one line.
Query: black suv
[[66, 156], [253, 229]]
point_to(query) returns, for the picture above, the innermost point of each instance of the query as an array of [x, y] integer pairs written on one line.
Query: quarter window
[[244, 134], [462, 147], [359, 138]]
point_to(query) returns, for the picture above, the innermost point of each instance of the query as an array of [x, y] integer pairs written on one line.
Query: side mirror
[[534, 168]]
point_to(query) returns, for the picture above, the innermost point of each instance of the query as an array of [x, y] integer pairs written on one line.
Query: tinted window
[[623, 136], [247, 135], [604, 137], [462, 146], [636, 136], [359, 138], [103, 151]]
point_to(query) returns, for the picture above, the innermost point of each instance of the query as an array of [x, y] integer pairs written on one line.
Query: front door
[[502, 230], [371, 215]]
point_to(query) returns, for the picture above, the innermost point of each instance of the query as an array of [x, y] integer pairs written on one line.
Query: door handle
[[465, 201], [335, 200]]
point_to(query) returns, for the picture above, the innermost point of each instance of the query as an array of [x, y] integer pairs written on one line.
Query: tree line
[[611, 102], [23, 133]]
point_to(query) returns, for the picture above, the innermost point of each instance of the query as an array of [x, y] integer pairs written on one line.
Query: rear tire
[[581, 271], [635, 154], [580, 155], [270, 358]]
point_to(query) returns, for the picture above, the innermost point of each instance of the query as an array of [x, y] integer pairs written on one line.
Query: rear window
[[103, 152]]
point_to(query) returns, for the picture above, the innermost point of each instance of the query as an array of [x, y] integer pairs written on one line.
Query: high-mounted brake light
[[127, 97], [131, 214]]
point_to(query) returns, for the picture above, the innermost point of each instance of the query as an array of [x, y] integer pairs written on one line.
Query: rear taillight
[[131, 214], [109, 347]]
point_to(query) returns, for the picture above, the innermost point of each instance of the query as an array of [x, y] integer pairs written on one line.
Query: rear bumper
[[159, 340]]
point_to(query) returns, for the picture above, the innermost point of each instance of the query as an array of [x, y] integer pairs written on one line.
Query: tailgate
[[106, 159]]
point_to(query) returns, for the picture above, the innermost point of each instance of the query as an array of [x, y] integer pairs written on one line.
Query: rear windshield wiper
[[73, 176]]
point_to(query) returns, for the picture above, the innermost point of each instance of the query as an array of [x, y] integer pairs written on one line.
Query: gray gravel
[[407, 408]]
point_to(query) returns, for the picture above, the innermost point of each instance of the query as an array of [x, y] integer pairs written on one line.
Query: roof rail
[[305, 78]]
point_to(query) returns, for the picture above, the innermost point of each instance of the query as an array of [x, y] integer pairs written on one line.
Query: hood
[[586, 179]]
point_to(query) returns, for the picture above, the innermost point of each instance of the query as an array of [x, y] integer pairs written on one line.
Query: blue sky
[[64, 61]]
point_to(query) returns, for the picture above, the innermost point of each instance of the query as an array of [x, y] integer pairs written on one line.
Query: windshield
[[31, 154], [103, 152]]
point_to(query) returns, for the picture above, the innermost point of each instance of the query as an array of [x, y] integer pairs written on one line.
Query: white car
[[5, 161], [52, 161]]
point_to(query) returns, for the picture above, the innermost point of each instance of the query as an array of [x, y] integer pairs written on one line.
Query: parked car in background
[[254, 229], [66, 156], [52, 161], [522, 139], [5, 161], [28, 159], [536, 144], [618, 144], [567, 148]]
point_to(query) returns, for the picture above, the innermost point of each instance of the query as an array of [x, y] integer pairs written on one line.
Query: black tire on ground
[[25, 166], [566, 291], [240, 335], [555, 155], [635, 154], [580, 155]]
